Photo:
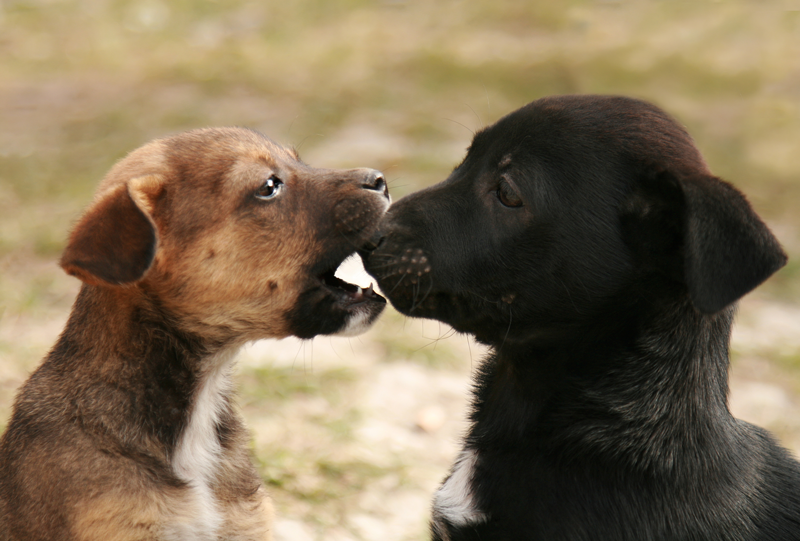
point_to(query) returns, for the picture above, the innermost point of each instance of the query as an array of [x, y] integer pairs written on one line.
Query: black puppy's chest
[[513, 496], [579, 463]]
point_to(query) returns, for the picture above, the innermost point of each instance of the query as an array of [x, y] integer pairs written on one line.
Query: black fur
[[608, 299]]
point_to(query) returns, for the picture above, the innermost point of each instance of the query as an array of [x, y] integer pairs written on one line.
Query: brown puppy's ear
[[702, 231], [115, 241], [728, 250]]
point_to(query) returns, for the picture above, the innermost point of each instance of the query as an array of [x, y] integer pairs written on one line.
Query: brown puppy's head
[[571, 212], [232, 236]]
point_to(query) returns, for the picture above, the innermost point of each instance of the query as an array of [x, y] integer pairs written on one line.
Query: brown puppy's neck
[[128, 323], [131, 358]]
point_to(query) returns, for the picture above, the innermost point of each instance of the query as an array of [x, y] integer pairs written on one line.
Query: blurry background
[[352, 436]]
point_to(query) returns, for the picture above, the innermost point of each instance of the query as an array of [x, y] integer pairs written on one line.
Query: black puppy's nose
[[376, 181]]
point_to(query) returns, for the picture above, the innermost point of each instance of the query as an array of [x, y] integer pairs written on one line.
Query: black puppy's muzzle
[[375, 241]]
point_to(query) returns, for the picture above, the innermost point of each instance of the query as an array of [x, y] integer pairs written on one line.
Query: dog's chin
[[362, 318], [465, 313]]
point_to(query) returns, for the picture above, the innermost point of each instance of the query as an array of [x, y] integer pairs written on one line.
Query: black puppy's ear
[[702, 231], [728, 250]]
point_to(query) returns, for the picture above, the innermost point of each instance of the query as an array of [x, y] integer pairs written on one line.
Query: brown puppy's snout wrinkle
[[355, 216]]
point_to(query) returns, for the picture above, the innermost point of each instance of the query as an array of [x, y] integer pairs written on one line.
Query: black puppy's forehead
[[496, 144], [561, 128]]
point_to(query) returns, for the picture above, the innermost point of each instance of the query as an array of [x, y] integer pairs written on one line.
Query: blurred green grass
[[398, 85], [84, 82]]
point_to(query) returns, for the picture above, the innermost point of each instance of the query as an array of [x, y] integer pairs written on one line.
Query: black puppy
[[586, 241]]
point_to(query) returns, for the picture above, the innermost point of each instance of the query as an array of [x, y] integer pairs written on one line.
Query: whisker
[[480, 122], [460, 124], [386, 265], [469, 347], [415, 289], [430, 288], [330, 340], [297, 353], [397, 284], [510, 319]]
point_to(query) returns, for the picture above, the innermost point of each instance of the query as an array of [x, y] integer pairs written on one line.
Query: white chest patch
[[454, 500], [196, 458]]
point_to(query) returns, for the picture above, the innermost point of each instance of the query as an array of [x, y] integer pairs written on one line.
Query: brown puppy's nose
[[376, 181]]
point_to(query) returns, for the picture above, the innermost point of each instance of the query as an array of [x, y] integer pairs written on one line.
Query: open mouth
[[349, 293]]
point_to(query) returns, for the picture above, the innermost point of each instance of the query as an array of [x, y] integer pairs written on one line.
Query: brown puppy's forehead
[[212, 148], [208, 174], [198, 156], [220, 158]]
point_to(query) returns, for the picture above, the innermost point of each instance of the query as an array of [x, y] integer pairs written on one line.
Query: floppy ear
[[702, 231], [728, 250], [115, 241]]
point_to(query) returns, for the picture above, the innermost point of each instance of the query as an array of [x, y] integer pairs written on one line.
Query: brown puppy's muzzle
[[330, 305], [376, 181]]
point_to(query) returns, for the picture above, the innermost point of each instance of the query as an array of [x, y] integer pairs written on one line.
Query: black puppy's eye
[[271, 187], [508, 195]]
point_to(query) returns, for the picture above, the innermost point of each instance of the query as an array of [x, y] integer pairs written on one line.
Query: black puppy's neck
[[647, 399]]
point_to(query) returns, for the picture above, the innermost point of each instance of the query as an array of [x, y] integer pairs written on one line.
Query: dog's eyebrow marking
[[454, 500], [267, 159], [505, 161]]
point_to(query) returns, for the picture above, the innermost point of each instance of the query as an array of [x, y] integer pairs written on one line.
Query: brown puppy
[[193, 246]]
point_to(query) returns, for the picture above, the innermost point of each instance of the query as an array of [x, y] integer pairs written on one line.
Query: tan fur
[[127, 430]]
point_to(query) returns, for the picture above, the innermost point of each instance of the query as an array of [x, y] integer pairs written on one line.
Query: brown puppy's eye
[[507, 195], [271, 187]]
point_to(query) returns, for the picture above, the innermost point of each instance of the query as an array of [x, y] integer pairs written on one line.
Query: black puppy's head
[[560, 210]]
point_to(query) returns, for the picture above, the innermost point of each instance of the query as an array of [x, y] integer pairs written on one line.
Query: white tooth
[[370, 290], [358, 291]]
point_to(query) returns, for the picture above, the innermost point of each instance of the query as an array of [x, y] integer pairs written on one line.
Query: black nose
[[373, 243], [376, 181]]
